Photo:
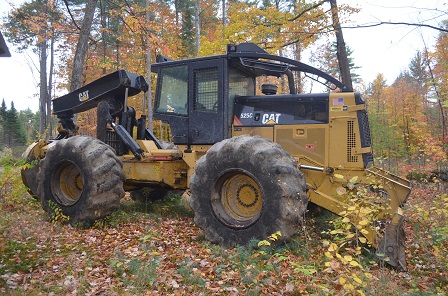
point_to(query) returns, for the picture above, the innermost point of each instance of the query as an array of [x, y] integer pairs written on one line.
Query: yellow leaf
[[333, 247], [368, 275], [365, 211], [338, 255], [363, 222], [342, 281], [346, 220], [363, 240], [354, 179], [350, 235], [338, 176], [351, 209], [361, 292], [357, 279], [263, 243], [348, 258], [328, 255], [354, 263], [363, 231], [327, 264]]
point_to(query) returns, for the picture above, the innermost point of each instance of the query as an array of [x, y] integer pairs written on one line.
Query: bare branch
[[397, 23], [308, 9], [71, 15]]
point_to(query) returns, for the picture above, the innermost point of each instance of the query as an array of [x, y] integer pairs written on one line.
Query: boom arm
[[110, 88]]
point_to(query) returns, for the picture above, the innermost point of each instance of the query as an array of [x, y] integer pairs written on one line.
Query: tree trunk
[[104, 35], [148, 67], [43, 93], [223, 15], [82, 46], [197, 25], [298, 57], [341, 49], [50, 83]]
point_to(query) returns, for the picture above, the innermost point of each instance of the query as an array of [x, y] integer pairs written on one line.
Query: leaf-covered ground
[[159, 250]]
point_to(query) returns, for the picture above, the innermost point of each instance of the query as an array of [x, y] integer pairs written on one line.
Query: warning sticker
[[337, 108], [309, 146]]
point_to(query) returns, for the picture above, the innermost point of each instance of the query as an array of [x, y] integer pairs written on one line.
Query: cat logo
[[270, 118], [83, 96]]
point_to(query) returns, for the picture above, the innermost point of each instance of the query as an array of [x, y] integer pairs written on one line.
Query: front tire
[[247, 188], [82, 176]]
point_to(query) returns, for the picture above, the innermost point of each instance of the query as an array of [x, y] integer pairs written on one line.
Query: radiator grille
[[351, 142], [366, 140], [365, 132]]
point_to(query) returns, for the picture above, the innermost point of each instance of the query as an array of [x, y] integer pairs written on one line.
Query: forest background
[[159, 249], [407, 117]]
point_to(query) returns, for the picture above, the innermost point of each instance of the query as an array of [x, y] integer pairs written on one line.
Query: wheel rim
[[67, 183], [237, 200]]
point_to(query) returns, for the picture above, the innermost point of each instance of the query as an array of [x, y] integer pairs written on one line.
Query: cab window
[[206, 90], [172, 96]]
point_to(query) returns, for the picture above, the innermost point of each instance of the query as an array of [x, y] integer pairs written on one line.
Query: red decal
[[309, 146], [236, 121]]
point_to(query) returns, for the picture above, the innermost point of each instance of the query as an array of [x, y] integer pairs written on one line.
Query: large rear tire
[[82, 176], [247, 188]]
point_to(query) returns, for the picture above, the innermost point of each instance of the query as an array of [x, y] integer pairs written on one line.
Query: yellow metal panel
[[345, 145], [264, 132], [307, 143], [147, 145], [172, 173]]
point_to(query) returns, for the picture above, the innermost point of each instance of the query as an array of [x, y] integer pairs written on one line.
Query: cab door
[[206, 116]]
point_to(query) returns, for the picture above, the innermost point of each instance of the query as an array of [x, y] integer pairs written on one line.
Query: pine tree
[[30, 123], [13, 129], [188, 32], [2, 123]]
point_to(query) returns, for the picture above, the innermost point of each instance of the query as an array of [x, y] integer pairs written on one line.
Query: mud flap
[[392, 247]]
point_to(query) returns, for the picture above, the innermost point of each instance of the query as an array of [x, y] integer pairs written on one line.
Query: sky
[[386, 49]]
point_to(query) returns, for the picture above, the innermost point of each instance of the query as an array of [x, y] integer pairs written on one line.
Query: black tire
[[29, 174], [94, 173], [247, 188]]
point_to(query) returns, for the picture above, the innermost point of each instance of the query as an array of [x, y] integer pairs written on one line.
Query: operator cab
[[202, 98]]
